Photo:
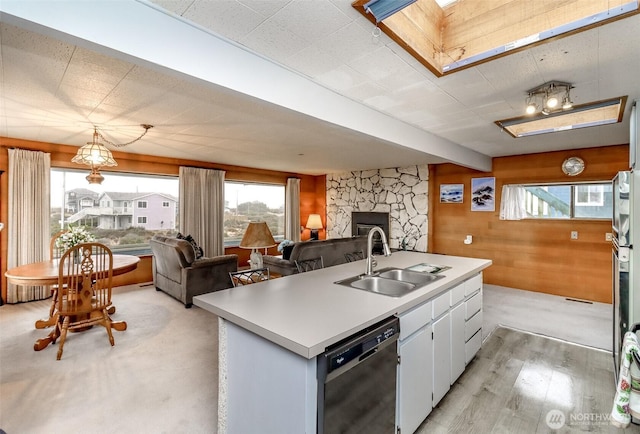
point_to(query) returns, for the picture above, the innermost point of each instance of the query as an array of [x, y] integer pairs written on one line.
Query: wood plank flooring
[[517, 378]]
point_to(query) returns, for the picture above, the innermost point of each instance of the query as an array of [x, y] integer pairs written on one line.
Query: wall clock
[[573, 166]]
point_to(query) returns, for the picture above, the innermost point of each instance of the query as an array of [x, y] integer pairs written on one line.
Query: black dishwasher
[[357, 382]]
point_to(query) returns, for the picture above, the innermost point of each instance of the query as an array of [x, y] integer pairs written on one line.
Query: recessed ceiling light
[[581, 116]]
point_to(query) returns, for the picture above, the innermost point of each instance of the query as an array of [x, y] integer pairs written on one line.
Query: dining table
[[47, 273]]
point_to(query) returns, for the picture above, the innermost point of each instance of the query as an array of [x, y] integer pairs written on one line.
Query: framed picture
[[451, 193], [483, 194]]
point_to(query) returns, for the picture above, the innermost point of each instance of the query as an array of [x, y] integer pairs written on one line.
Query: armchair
[[177, 272]]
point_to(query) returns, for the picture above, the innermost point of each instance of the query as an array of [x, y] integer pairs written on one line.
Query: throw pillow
[[286, 251], [196, 248]]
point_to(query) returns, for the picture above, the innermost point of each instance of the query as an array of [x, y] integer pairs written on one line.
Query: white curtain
[[292, 210], [28, 223], [512, 206], [202, 208]]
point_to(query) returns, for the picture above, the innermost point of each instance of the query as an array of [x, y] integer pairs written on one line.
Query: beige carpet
[[160, 377]]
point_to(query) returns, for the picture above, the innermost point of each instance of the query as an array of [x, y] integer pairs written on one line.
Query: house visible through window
[[569, 201], [112, 211], [589, 195]]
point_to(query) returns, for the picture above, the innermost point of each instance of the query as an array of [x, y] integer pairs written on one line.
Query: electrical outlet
[[574, 235], [608, 236]]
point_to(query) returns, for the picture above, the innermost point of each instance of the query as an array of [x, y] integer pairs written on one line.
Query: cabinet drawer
[[413, 320], [440, 304], [473, 284], [472, 346], [471, 326], [473, 305], [457, 293]]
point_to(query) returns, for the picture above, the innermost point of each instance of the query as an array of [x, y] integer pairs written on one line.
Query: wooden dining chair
[[247, 277], [305, 265], [86, 272], [55, 252]]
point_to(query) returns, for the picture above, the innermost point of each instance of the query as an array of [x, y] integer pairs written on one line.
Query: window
[[107, 210], [589, 195], [245, 202], [165, 204], [569, 201]]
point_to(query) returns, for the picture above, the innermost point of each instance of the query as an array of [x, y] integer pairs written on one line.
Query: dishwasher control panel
[[361, 345]]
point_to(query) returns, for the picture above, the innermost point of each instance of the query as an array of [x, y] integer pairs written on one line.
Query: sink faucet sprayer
[[371, 262]]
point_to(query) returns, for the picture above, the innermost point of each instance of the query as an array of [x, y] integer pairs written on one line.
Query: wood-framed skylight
[[604, 112], [467, 33]]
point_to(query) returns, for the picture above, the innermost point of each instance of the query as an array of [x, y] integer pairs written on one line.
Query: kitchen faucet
[[371, 262]]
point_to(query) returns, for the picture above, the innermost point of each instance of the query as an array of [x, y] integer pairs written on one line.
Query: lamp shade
[[94, 154], [257, 236], [314, 222]]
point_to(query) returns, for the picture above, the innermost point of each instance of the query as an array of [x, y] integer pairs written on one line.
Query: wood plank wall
[[312, 188], [535, 255]]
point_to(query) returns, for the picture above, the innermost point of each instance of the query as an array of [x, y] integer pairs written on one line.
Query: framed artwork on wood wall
[[451, 193], [483, 194]]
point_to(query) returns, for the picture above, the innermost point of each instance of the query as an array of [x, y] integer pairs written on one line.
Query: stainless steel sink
[[410, 276], [393, 282], [380, 285]]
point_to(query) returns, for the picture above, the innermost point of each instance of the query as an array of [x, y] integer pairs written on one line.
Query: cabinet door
[[457, 341], [414, 380], [441, 357]]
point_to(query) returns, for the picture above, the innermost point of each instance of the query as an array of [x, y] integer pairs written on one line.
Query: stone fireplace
[[363, 222], [399, 193]]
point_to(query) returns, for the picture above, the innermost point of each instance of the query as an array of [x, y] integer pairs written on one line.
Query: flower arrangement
[[76, 235]]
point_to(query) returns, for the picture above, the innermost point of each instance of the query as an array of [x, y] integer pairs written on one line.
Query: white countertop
[[305, 313]]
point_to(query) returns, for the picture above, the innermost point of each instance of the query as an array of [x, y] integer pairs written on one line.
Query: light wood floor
[[517, 378]]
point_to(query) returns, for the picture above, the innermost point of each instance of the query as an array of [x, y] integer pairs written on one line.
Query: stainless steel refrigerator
[[626, 230]]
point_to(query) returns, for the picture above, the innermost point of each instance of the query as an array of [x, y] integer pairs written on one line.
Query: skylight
[[585, 115]]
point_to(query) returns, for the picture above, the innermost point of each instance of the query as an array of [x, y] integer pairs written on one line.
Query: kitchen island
[[270, 334]]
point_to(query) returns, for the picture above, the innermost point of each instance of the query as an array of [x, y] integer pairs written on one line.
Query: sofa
[[177, 272], [332, 251]]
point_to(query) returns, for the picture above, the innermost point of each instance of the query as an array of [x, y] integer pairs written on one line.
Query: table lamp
[[257, 236], [314, 223]]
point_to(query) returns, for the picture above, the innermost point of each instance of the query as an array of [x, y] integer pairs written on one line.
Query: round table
[[46, 273]]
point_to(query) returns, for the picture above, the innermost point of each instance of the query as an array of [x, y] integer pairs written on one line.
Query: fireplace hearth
[[362, 222]]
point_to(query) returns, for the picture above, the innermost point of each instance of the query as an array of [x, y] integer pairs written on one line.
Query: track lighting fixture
[[549, 95]]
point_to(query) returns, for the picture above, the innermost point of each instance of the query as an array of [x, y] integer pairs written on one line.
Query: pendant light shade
[[95, 155]]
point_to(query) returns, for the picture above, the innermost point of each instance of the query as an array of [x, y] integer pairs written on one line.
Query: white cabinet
[[441, 357], [437, 340], [414, 380], [473, 325], [415, 383], [473, 316], [458, 340]]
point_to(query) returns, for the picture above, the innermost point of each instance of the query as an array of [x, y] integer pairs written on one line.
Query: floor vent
[[579, 301]]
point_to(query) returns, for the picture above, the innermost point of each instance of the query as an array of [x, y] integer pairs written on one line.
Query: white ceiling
[[304, 86]]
